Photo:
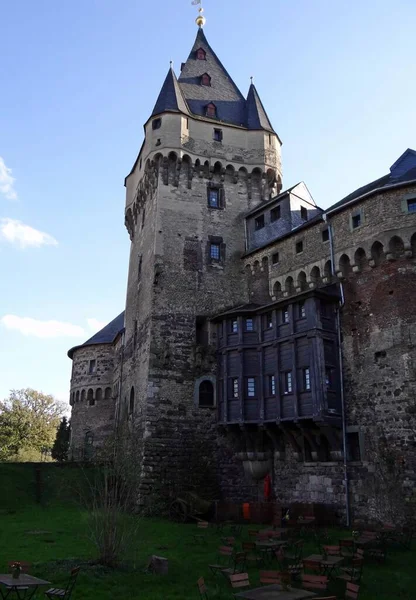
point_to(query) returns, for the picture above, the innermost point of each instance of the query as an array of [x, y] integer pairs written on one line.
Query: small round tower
[[94, 389]]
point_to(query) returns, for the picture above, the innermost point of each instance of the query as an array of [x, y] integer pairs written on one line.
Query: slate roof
[[256, 115], [106, 335], [170, 97], [378, 184], [223, 92]]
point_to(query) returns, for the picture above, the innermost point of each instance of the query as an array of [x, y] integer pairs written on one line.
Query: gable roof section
[[170, 97], [106, 335], [403, 171], [256, 115], [223, 92]]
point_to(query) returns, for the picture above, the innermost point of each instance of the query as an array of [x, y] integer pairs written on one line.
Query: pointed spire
[[256, 115], [223, 92], [170, 97]]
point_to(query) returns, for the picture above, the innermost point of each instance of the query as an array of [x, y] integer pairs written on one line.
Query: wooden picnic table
[[275, 592], [329, 563], [16, 586]]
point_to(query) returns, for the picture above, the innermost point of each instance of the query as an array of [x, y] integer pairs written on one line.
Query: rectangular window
[[302, 310], [234, 383], [268, 321], [356, 220], [92, 367], [259, 222], [272, 385], [304, 213], [218, 135], [156, 124], [251, 387], [353, 446], [411, 205], [299, 247], [285, 315], [329, 378], [187, 123], [215, 252], [214, 198], [275, 258], [249, 325], [234, 326], [306, 379], [288, 382], [275, 214], [325, 235]]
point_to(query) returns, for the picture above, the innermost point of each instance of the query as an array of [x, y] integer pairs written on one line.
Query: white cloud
[[95, 324], [41, 329], [23, 235], [7, 181]]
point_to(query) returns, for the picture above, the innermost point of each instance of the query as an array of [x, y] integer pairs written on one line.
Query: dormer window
[[201, 54], [211, 110], [205, 79]]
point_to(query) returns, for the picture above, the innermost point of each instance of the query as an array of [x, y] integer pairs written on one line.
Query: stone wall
[[93, 397]]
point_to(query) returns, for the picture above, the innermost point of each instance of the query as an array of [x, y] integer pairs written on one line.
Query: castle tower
[[209, 156]]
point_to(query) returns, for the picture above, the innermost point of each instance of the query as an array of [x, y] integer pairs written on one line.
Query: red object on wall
[[267, 487], [246, 511]]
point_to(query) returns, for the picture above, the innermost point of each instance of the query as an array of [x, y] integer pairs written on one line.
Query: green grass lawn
[[66, 544]]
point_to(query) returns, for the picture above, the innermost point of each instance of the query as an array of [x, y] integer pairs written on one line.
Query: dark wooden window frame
[[259, 222], [275, 213]]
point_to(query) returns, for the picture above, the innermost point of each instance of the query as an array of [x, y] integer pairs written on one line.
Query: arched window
[[328, 269], [315, 275], [98, 395], [344, 265], [277, 289], [302, 281], [206, 394], [205, 79], [90, 397], [131, 403], [377, 253], [107, 393], [82, 395], [396, 246], [77, 396], [360, 258], [211, 110], [289, 286]]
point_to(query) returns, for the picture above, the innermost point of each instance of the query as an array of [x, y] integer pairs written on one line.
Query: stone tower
[[209, 156]]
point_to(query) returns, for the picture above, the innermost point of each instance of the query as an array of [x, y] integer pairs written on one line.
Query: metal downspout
[[341, 365]]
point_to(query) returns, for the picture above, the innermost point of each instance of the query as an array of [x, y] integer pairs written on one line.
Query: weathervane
[[200, 20]]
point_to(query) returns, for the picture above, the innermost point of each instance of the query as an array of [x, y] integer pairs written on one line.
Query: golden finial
[[200, 20]]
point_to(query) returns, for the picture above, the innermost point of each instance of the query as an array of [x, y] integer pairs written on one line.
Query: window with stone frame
[[92, 367], [325, 234], [206, 394], [411, 205], [216, 250], [215, 196], [218, 135], [275, 258], [356, 219], [299, 247]]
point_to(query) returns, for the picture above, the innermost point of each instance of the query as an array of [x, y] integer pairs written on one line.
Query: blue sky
[[79, 79]]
